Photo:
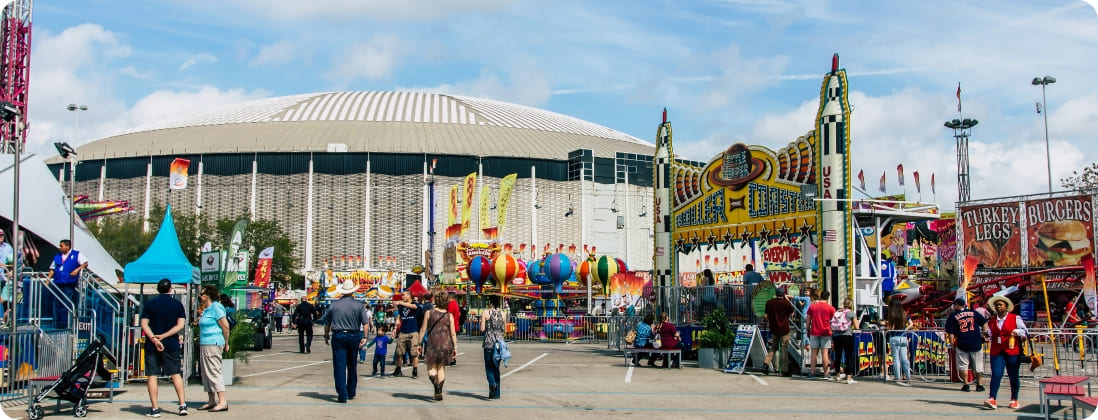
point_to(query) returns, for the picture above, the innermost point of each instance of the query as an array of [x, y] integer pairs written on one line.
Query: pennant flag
[[882, 188], [861, 179], [484, 196], [918, 187], [969, 269], [177, 179], [958, 97], [1088, 282], [263, 267], [451, 216], [900, 173], [932, 183], [506, 185]]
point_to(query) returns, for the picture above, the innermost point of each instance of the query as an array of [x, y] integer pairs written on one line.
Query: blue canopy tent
[[163, 260]]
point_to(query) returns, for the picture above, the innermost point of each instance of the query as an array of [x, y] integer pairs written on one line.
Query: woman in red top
[[669, 339], [1006, 332]]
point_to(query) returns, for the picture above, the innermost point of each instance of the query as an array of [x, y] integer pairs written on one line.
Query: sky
[[727, 71]]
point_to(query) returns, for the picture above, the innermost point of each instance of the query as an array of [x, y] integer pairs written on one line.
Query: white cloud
[[525, 84], [199, 58], [373, 59], [378, 10], [279, 53], [170, 104]]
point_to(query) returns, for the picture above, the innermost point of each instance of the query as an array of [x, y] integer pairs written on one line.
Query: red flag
[[882, 182], [958, 96], [861, 179], [900, 173], [932, 183], [918, 188]]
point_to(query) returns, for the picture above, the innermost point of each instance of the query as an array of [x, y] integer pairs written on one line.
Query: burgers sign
[[1060, 230]]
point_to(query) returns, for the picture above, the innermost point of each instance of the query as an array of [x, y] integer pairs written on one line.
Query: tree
[[1082, 181], [260, 234]]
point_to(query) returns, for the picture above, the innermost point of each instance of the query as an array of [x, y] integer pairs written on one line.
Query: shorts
[[975, 359], [819, 341], [408, 342], [163, 363]]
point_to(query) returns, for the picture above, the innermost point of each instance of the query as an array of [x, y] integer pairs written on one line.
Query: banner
[[263, 267], [237, 236], [236, 271], [992, 234], [506, 185], [1088, 282], [177, 180], [1060, 230], [627, 289], [210, 266], [484, 208], [467, 201], [451, 215]]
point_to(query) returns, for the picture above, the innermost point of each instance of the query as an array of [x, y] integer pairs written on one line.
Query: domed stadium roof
[[383, 122]]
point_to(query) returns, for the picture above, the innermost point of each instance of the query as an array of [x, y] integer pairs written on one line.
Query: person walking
[[381, 343], [408, 335], [438, 327], [896, 322], [843, 325], [965, 329], [819, 334], [162, 318], [346, 331], [65, 272], [1006, 332], [302, 320], [277, 313], [778, 311], [492, 322], [213, 339]]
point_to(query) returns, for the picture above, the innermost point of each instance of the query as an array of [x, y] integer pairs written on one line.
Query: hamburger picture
[[1064, 242]]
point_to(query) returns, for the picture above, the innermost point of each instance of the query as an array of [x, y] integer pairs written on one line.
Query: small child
[[382, 341]]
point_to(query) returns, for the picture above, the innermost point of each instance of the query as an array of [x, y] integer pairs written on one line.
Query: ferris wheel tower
[[15, 50]]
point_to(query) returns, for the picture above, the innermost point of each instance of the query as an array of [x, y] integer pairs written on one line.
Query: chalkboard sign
[[748, 343]]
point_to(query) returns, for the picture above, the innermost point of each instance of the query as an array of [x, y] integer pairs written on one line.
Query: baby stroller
[[73, 384]]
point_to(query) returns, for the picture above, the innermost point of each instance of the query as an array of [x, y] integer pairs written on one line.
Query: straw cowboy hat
[[1004, 299], [347, 287]]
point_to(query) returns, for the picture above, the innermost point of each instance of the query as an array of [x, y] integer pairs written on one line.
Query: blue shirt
[[163, 312], [644, 333], [209, 331], [382, 343], [966, 325]]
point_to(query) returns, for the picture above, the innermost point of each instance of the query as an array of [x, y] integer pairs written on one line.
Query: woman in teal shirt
[[213, 339]]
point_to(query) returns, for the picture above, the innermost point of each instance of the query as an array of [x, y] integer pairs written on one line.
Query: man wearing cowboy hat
[[1006, 332], [346, 331]]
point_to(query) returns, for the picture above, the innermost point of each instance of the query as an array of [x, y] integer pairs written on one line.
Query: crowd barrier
[[30, 353]]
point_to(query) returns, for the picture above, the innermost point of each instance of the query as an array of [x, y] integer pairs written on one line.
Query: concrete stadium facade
[[347, 174]]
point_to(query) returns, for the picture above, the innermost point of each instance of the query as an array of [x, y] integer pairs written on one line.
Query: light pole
[[1045, 81], [68, 153]]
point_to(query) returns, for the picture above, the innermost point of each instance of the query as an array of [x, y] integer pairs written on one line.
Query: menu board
[[748, 343]]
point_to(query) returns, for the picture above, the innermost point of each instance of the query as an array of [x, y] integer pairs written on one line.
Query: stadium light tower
[[961, 130], [1045, 81]]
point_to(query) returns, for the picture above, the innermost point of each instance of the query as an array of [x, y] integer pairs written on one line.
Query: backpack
[[839, 321]]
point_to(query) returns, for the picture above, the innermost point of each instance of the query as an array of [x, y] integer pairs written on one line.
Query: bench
[[674, 355], [1059, 392], [1059, 380], [1086, 403]]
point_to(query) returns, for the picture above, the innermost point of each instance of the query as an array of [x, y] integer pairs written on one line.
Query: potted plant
[[241, 340], [716, 340]]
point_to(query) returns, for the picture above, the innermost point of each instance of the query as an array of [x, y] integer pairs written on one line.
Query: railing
[[29, 353]]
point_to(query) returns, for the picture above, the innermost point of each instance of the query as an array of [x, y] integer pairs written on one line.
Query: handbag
[[657, 342], [1026, 355], [630, 337]]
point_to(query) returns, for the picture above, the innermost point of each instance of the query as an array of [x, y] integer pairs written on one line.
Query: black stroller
[[74, 383]]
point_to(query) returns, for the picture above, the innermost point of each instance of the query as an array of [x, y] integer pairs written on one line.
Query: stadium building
[[348, 174]]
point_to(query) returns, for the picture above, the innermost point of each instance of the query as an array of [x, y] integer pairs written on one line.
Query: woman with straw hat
[[1006, 332]]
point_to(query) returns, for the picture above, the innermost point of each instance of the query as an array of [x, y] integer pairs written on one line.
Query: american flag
[[831, 235]]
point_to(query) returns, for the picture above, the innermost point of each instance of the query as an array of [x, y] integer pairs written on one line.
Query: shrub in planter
[[714, 343]]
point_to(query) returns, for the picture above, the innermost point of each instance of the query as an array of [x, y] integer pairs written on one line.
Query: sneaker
[[1014, 404], [828, 378], [842, 376], [990, 403], [850, 380], [903, 384], [965, 388], [979, 388], [809, 376], [153, 412], [183, 410]]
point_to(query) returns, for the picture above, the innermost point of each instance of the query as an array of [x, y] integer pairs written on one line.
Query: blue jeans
[[999, 363], [899, 357], [379, 359], [491, 368], [344, 368]]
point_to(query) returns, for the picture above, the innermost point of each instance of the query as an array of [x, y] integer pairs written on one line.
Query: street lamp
[[68, 153], [962, 128], [1045, 81]]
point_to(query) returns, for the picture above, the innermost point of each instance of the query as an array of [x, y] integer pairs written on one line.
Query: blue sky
[[727, 70]]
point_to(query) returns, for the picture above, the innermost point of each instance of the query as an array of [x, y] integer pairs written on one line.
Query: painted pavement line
[[285, 369], [759, 380], [523, 366], [629, 375]]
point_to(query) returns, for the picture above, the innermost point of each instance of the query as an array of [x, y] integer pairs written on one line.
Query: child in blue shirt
[[382, 341]]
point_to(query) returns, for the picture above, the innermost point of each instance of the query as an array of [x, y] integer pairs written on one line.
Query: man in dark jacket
[[778, 311], [302, 319]]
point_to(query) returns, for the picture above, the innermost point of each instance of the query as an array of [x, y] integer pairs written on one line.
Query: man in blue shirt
[[407, 338], [964, 327], [65, 272], [162, 319]]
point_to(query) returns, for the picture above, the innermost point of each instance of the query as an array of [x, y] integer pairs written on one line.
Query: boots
[[493, 392], [438, 387], [415, 372], [396, 372]]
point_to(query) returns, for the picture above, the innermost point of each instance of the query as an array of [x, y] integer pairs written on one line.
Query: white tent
[[44, 210]]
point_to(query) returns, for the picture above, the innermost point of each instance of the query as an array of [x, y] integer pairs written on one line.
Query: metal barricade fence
[[36, 354], [564, 328]]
